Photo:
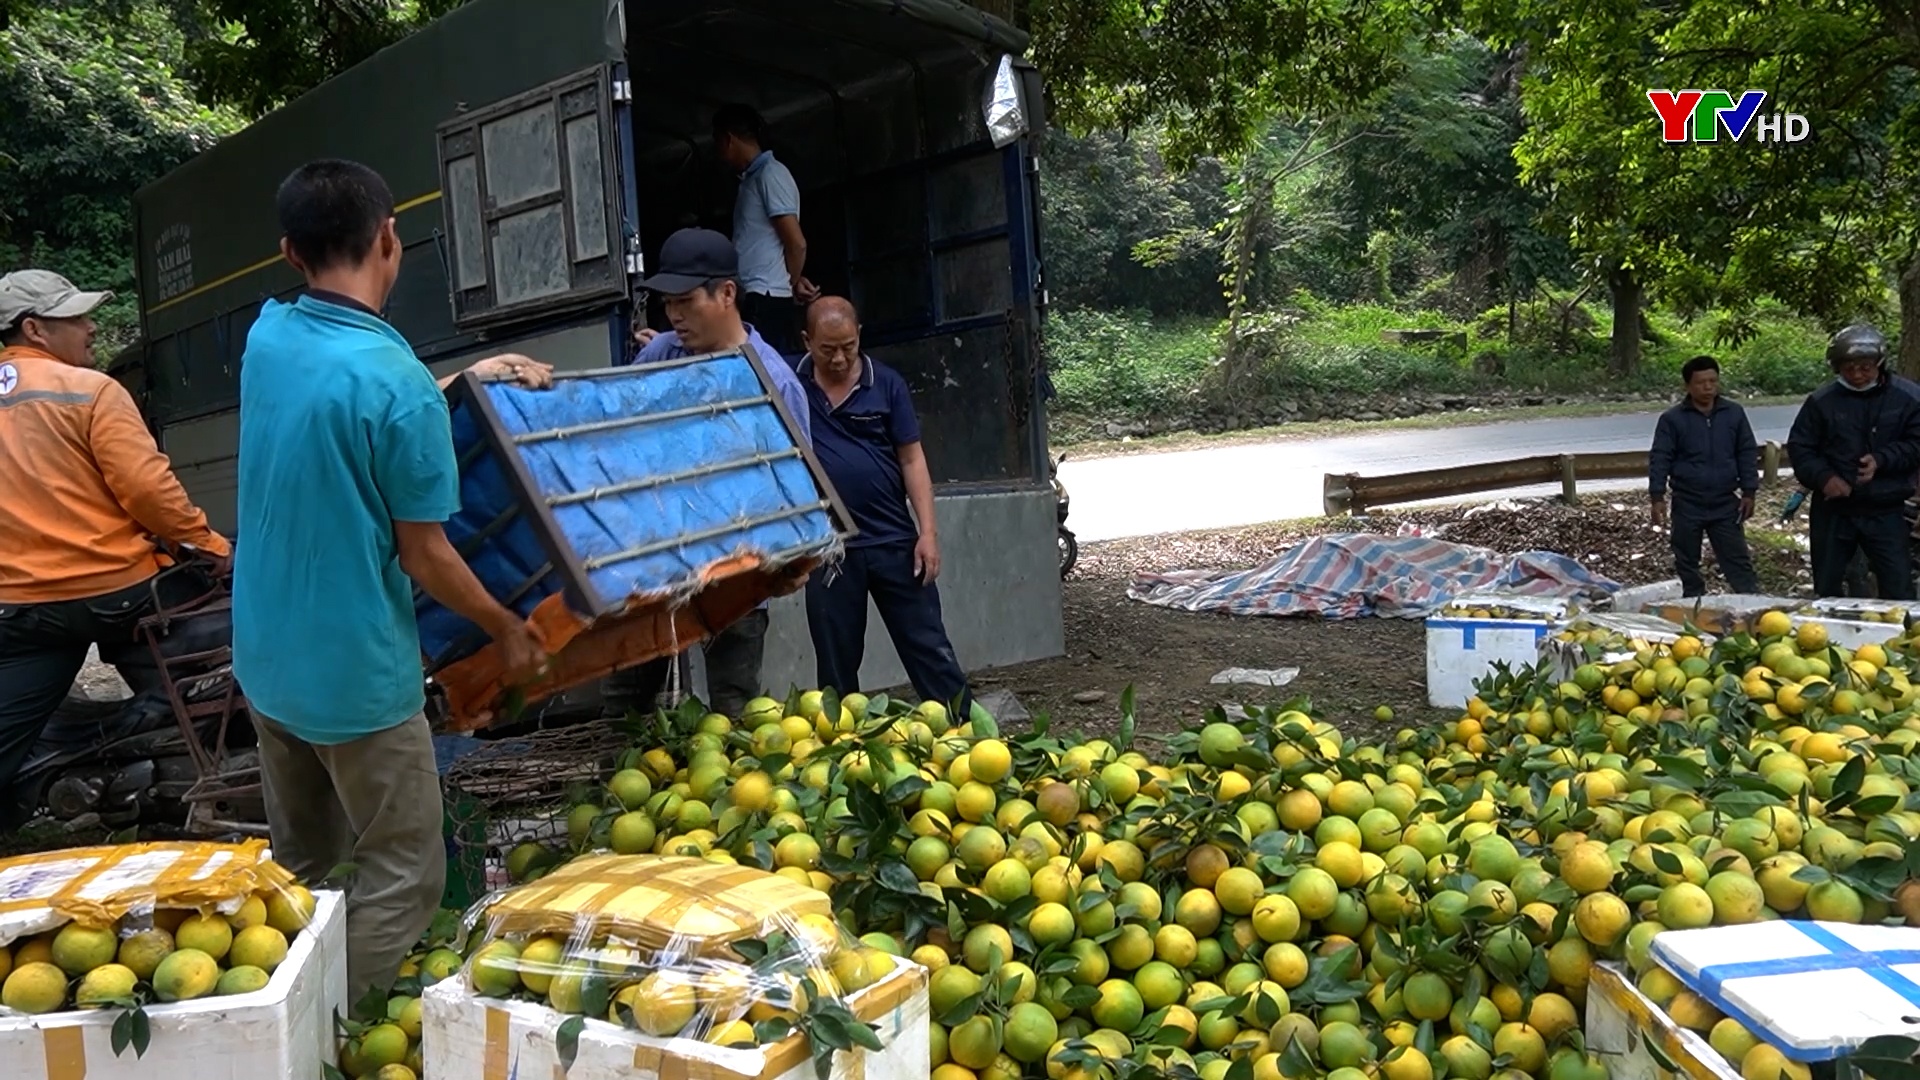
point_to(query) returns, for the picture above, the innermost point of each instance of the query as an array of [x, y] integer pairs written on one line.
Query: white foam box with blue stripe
[[1812, 989], [1462, 650]]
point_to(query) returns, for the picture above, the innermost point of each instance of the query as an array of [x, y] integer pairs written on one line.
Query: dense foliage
[[1241, 185], [90, 117]]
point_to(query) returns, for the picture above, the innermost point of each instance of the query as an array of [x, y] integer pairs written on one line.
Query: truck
[[541, 150]]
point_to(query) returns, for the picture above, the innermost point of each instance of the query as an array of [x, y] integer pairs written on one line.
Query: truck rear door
[[944, 262], [537, 218]]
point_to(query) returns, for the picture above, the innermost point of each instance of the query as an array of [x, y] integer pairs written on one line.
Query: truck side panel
[[208, 235], [204, 448]]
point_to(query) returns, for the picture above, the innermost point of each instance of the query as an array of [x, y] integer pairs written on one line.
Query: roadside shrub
[[1126, 363], [1127, 366]]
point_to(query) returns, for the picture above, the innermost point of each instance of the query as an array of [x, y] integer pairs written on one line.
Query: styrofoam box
[[1565, 657], [1718, 613], [285, 1029], [1852, 609], [1622, 1022], [466, 1037], [1460, 651], [1813, 989], [1636, 598], [1851, 633]]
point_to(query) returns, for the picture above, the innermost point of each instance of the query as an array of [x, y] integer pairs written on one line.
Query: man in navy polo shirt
[[868, 441], [697, 274]]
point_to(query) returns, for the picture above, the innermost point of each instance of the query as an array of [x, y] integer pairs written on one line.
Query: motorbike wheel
[[1069, 552]]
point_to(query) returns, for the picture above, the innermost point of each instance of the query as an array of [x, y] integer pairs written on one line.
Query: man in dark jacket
[[1856, 446], [1703, 449]]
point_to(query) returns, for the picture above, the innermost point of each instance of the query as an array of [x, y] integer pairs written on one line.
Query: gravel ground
[[1348, 668]]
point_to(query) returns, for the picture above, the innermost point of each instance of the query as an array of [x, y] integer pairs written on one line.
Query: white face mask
[[1858, 389]]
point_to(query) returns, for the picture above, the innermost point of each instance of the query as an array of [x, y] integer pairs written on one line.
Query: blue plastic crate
[[624, 484]]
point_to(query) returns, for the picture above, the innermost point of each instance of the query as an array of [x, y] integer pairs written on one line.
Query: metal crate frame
[[220, 779], [469, 389]]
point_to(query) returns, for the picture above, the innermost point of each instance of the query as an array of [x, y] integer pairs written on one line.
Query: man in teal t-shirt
[[347, 474]]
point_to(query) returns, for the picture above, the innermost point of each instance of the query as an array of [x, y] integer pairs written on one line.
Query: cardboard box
[[284, 1030], [1631, 1034], [466, 1037]]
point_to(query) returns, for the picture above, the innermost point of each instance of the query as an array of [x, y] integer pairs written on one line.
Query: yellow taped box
[[98, 886], [1632, 1034], [467, 1037], [653, 902]]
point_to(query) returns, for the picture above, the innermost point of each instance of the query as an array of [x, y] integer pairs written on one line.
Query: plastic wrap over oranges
[[672, 947], [654, 901]]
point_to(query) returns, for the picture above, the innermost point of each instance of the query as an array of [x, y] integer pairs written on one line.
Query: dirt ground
[[1347, 667]]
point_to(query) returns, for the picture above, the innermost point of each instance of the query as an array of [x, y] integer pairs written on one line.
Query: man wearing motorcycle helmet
[[1856, 445], [87, 494]]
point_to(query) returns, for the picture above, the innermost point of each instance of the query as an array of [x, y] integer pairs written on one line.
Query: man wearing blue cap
[[697, 276]]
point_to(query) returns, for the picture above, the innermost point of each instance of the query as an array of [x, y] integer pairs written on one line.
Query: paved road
[[1227, 486]]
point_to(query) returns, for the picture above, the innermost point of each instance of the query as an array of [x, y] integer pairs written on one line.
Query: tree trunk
[[1910, 318], [1628, 293]]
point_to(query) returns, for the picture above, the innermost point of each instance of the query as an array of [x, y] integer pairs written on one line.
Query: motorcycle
[[178, 755], [1069, 545]]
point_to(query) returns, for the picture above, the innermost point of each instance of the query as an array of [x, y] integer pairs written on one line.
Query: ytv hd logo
[[1700, 115]]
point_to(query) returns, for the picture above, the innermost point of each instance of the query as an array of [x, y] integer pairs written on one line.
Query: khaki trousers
[[374, 803]]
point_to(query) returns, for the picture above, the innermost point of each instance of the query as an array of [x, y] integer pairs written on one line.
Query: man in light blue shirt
[[766, 230], [347, 474], [697, 275]]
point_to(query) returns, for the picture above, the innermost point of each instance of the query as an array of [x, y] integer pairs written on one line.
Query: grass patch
[[1126, 366]]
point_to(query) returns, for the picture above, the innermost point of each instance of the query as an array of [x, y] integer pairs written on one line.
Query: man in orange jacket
[[87, 493]]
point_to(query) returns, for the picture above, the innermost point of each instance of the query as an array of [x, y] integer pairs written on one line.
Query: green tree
[[1817, 224], [1217, 73], [91, 115], [1438, 173], [253, 54], [1125, 232]]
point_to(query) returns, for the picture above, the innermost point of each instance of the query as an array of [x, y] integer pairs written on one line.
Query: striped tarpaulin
[[1351, 575]]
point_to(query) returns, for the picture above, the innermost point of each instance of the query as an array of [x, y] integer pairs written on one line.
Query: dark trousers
[[776, 318], [734, 656], [1879, 533], [837, 622], [1722, 527], [42, 648]]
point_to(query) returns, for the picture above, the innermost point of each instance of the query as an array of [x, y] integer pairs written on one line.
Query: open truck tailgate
[[628, 513]]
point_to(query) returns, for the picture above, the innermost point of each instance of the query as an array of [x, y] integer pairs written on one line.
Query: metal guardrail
[[1351, 493]]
